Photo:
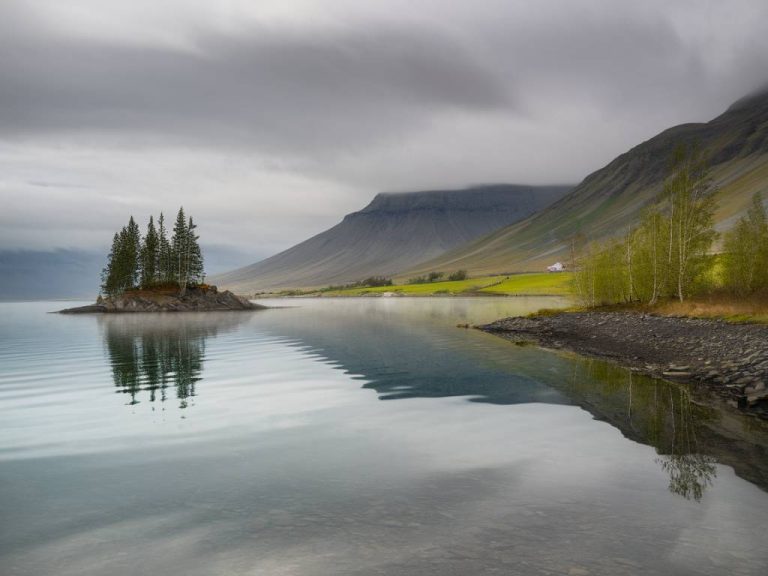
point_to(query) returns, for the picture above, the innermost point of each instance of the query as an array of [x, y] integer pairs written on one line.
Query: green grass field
[[516, 284], [542, 283]]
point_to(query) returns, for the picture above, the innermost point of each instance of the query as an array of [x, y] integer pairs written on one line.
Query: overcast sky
[[269, 120]]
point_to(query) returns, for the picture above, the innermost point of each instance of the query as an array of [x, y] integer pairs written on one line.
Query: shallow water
[[260, 443]]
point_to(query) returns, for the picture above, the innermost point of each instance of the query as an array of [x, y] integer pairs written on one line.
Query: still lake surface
[[357, 436]]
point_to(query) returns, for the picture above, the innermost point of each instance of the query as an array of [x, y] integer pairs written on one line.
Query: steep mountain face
[[608, 200], [392, 233]]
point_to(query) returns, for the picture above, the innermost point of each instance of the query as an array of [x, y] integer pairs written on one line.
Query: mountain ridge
[[609, 199], [394, 231]]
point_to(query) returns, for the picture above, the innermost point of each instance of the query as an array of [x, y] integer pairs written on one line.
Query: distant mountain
[[392, 233], [611, 198], [39, 275]]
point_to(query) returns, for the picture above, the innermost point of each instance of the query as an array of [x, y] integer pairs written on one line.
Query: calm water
[[364, 437]]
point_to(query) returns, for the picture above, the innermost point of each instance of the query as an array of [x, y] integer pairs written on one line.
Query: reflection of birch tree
[[660, 414], [690, 472]]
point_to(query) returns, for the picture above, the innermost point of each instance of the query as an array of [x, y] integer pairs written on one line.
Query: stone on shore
[[729, 359]]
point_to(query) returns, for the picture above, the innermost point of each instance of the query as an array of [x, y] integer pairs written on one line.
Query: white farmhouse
[[556, 267]]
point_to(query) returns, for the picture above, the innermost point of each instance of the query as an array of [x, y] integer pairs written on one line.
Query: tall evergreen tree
[[109, 275], [164, 273], [194, 254], [149, 255], [132, 262], [132, 254], [179, 250]]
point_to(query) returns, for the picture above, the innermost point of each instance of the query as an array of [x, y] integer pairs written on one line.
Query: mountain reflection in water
[[153, 358], [409, 350], [367, 436]]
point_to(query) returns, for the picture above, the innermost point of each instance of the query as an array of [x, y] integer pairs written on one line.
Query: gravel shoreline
[[728, 359]]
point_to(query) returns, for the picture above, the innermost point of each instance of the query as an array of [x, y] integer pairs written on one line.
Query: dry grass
[[752, 309], [733, 309]]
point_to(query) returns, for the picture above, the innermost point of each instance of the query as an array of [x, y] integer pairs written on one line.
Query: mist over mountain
[[37, 275], [608, 200], [394, 232]]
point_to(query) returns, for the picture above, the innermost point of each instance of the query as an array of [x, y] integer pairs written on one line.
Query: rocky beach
[[730, 360]]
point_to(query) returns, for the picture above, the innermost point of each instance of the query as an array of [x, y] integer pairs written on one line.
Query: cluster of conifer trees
[[668, 254], [153, 260]]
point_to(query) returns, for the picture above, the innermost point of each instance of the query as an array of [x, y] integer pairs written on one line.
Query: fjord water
[[357, 436]]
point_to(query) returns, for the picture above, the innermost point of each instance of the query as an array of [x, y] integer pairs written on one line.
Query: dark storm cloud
[[293, 91]]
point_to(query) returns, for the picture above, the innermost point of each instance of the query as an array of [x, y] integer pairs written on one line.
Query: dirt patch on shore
[[729, 359]]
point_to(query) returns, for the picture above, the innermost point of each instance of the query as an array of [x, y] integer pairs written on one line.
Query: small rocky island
[[195, 299], [155, 273]]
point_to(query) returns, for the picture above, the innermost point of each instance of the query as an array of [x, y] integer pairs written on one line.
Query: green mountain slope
[[611, 198]]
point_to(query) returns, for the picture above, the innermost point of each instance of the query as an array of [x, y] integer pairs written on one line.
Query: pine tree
[[194, 254], [133, 262], [164, 273], [123, 261], [149, 256], [109, 276], [179, 251], [133, 254]]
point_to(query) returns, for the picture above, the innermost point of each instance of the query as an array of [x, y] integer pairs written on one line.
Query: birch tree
[[689, 193]]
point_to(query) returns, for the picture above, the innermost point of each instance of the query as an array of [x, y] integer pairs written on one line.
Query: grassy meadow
[[538, 284]]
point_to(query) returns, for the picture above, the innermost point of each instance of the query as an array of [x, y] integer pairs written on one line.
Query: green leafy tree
[[745, 261], [691, 217], [666, 254]]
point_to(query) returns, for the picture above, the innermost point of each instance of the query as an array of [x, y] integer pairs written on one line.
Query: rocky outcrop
[[730, 359], [203, 299]]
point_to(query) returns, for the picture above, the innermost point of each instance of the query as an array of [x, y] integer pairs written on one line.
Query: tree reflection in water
[[150, 354], [654, 412]]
